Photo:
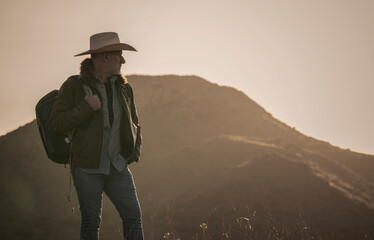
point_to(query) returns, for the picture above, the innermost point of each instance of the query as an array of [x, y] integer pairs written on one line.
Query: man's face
[[115, 61]]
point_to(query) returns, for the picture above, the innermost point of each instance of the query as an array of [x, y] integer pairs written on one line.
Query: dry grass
[[252, 227]]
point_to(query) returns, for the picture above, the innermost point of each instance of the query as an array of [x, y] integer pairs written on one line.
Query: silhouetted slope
[[205, 147]]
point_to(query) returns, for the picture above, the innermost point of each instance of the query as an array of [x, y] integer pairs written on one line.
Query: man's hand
[[94, 102]]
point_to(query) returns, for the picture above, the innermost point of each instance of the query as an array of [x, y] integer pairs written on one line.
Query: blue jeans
[[119, 187]]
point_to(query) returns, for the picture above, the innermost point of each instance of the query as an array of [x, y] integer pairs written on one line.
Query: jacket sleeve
[[135, 119], [66, 113]]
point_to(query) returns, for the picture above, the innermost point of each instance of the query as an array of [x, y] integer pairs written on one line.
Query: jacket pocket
[[134, 157]]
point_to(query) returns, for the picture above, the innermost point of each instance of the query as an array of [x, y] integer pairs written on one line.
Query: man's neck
[[103, 77]]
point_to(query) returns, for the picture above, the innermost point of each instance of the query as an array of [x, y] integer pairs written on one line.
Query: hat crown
[[100, 40]]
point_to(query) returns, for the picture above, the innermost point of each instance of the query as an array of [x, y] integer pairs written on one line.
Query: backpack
[[56, 145]]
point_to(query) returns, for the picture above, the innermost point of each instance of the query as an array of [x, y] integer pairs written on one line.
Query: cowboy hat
[[106, 42]]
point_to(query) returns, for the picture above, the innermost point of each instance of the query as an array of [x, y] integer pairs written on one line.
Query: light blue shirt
[[112, 138]]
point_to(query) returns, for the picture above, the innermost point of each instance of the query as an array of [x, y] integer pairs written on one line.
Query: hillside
[[209, 152]]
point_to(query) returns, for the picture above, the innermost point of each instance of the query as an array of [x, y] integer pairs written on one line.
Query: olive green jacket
[[72, 113]]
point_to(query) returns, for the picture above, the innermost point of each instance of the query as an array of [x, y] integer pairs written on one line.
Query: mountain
[[210, 155]]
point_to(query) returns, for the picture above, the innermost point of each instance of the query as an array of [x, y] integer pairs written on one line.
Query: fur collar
[[87, 76]]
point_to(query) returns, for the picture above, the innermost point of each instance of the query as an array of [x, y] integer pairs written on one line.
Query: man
[[106, 135]]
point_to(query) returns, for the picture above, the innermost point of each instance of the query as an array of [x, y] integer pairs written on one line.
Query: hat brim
[[109, 48]]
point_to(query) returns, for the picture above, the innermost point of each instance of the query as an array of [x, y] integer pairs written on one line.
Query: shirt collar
[[112, 79]]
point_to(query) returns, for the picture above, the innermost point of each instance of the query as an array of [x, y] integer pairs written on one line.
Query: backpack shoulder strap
[[84, 88], [88, 92]]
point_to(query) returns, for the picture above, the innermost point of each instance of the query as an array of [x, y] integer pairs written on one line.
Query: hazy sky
[[309, 63]]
